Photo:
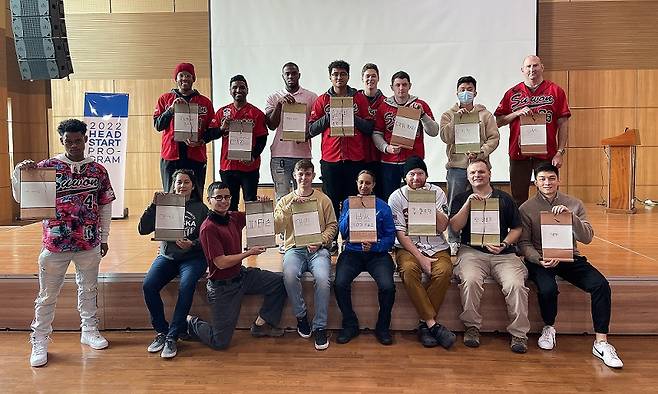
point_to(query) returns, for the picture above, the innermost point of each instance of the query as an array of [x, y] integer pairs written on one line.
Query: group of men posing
[[363, 164]]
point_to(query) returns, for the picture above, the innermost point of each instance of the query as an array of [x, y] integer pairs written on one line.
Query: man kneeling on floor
[[229, 281], [578, 272], [478, 258]]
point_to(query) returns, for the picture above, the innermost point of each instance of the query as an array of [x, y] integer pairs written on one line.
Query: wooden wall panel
[[647, 166], [647, 126], [588, 126], [559, 77], [72, 7], [147, 48], [647, 88], [591, 169], [142, 136], [29, 108], [5, 179], [68, 96], [596, 35], [609, 88], [142, 6], [191, 5], [144, 170], [30, 137]]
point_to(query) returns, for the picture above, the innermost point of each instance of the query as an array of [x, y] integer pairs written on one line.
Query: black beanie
[[414, 162]]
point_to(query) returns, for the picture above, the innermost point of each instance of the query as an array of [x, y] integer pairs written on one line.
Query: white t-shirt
[[295, 149], [399, 204]]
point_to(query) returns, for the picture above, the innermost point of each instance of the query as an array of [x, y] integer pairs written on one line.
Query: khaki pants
[[509, 271], [427, 300]]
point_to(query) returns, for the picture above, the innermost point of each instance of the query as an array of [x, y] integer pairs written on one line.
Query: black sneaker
[[303, 328], [266, 330], [346, 334], [425, 336], [444, 337], [170, 349], [384, 337], [157, 344], [321, 340]]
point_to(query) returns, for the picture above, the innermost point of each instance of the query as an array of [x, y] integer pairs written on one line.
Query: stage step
[[121, 305]]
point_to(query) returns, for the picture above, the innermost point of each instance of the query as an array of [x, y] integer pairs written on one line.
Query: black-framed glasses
[[220, 197]]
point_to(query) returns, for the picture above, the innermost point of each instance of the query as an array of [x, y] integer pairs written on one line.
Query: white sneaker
[[454, 248], [93, 338], [607, 353], [39, 355], [547, 339]]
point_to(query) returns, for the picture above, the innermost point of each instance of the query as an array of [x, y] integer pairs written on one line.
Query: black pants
[[235, 180], [581, 274], [339, 181], [380, 266], [226, 301], [167, 169]]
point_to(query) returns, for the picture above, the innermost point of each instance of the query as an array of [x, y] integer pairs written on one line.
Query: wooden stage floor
[[290, 364], [624, 246]]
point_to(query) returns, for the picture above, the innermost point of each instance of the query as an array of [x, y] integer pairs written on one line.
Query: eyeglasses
[[220, 197]]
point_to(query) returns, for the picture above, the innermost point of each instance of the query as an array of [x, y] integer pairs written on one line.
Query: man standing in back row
[[533, 96]]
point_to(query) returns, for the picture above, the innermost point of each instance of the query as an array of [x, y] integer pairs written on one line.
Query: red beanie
[[189, 67]]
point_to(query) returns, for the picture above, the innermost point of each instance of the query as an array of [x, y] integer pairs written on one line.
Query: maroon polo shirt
[[222, 240]]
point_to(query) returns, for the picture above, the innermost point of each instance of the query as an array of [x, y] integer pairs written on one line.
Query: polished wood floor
[[624, 246], [291, 364]]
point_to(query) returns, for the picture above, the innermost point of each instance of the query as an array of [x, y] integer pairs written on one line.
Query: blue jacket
[[385, 227]]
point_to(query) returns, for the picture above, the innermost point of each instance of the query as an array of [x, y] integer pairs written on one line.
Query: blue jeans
[[457, 183], [282, 175], [163, 271], [296, 261], [390, 178]]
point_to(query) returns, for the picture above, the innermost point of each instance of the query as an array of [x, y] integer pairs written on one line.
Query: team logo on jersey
[[226, 112], [518, 100], [203, 110], [389, 120], [327, 109]]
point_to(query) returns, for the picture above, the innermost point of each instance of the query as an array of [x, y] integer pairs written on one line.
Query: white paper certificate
[[186, 122], [467, 133], [362, 219], [405, 127], [293, 121], [341, 117], [260, 224], [555, 236], [533, 134], [485, 222], [306, 223], [422, 213], [169, 217], [238, 141], [38, 194]]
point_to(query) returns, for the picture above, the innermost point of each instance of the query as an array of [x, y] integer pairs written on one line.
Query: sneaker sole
[[546, 347], [94, 347], [595, 354], [168, 356], [305, 336], [155, 350], [322, 347], [519, 350], [471, 343], [37, 365]]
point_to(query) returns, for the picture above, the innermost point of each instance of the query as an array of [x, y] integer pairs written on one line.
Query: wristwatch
[[562, 151], [504, 243]]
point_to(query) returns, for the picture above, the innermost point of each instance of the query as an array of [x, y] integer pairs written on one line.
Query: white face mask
[[465, 97]]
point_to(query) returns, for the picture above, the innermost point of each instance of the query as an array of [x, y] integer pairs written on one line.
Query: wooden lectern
[[621, 171]]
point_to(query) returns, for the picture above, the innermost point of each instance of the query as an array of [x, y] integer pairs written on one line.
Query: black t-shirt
[[508, 217]]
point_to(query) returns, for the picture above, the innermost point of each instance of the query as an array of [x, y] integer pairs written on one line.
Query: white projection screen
[[435, 41]]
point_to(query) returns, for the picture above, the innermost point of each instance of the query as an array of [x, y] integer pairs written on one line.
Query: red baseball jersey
[[253, 115], [547, 99], [169, 147], [336, 149], [372, 153], [384, 122]]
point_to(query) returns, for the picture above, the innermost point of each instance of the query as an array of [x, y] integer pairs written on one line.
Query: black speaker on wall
[[40, 38]]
